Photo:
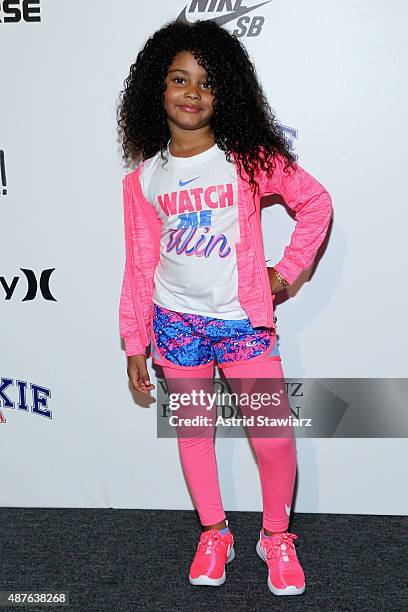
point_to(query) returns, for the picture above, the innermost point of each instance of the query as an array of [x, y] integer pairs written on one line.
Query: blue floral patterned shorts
[[184, 339]]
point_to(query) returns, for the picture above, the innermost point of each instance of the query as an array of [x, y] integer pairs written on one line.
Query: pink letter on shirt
[[197, 193], [225, 193], [207, 197], [185, 202], [168, 206]]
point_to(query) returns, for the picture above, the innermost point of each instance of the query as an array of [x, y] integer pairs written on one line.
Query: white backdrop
[[335, 74]]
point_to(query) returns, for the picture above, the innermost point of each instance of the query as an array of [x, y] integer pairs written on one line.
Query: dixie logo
[[38, 398]]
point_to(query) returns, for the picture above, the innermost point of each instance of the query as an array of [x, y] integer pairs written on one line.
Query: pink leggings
[[276, 456]]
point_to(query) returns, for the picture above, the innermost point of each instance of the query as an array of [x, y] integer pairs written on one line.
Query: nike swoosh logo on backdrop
[[182, 183], [222, 19]]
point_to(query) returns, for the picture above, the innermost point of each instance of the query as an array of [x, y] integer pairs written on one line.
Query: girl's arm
[[128, 325], [135, 350], [313, 210], [130, 319], [134, 307]]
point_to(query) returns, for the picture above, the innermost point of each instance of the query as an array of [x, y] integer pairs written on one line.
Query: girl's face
[[188, 98]]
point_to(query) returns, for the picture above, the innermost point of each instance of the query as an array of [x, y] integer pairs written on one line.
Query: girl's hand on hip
[[274, 282], [138, 374]]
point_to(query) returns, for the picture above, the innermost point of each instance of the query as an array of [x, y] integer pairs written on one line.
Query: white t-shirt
[[196, 199]]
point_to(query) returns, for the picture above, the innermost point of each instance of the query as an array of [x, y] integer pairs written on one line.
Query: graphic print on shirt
[[192, 210], [196, 199]]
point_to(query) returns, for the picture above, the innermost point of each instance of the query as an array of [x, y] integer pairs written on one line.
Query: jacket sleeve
[[313, 210], [128, 324], [129, 310]]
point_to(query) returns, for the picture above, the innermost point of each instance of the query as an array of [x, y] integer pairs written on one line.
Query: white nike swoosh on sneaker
[[287, 508]]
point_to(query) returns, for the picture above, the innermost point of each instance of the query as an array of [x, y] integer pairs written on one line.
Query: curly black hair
[[242, 122]]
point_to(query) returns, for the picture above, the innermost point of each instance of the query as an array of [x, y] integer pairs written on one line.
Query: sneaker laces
[[209, 538], [280, 546]]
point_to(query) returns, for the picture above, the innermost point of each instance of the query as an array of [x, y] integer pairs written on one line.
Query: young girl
[[196, 287]]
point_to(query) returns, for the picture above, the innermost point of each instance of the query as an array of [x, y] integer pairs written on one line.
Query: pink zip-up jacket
[[302, 193]]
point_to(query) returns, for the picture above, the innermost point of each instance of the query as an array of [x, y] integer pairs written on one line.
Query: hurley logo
[[182, 183]]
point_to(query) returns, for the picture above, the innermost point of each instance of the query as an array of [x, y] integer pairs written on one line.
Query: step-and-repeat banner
[[72, 434]]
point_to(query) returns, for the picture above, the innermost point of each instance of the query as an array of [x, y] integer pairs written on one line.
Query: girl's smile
[[190, 109]]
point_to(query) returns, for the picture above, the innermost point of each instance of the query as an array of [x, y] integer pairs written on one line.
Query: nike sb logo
[[182, 183], [248, 23]]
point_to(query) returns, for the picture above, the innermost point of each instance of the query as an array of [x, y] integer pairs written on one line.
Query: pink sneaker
[[285, 576], [213, 552]]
